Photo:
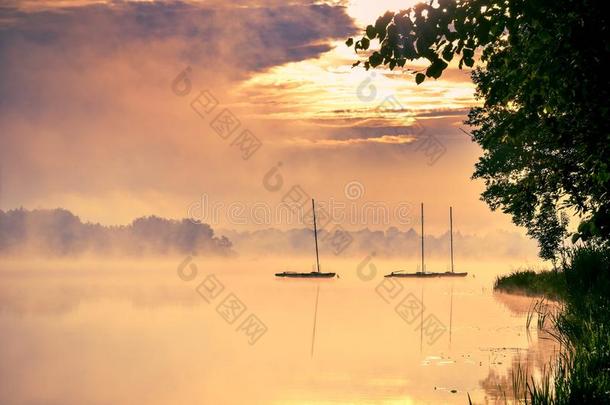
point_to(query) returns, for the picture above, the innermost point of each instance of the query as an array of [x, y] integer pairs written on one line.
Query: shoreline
[[581, 372]]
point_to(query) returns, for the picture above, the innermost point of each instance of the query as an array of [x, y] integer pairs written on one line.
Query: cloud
[[60, 53], [250, 38], [39, 5], [88, 119], [383, 140]]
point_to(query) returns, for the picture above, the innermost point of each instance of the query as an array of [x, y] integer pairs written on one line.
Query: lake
[[227, 331]]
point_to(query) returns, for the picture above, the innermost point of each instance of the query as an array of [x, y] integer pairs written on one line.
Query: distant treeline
[[389, 243], [58, 232]]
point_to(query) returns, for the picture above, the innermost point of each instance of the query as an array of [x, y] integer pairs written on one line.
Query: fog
[[61, 234]]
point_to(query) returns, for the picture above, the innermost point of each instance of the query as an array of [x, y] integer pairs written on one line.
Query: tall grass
[[550, 284], [581, 372]]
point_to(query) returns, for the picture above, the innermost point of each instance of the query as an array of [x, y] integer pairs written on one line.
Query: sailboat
[[313, 274], [423, 273], [452, 273]]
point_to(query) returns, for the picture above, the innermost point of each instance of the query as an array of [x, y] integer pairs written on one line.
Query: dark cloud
[[375, 127], [37, 45], [251, 38]]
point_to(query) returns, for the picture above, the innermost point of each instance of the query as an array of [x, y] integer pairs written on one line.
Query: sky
[[115, 110]]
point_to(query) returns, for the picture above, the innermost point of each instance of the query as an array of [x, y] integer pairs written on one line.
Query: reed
[[581, 372]]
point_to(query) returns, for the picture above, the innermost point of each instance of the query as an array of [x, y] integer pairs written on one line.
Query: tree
[[543, 123], [550, 231]]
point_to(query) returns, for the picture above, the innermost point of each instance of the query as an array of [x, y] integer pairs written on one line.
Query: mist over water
[[161, 331], [157, 164], [60, 234]]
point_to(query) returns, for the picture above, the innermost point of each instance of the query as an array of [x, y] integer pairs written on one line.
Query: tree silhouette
[[542, 78]]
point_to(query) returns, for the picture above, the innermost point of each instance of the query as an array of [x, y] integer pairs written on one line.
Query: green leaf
[[448, 53], [541, 122], [349, 42], [376, 59], [382, 23], [436, 69], [364, 43]]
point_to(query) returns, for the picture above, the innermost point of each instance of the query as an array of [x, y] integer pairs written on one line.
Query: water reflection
[[500, 385], [315, 320], [111, 335]]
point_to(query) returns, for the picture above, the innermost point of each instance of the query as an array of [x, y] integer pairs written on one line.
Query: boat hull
[[313, 274], [426, 275]]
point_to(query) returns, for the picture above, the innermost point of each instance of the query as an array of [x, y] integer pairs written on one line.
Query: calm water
[[128, 333]]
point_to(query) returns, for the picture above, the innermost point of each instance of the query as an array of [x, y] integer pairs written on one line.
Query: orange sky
[[89, 121]]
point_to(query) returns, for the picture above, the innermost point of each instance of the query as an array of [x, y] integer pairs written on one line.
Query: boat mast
[[422, 238], [451, 234], [315, 232]]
